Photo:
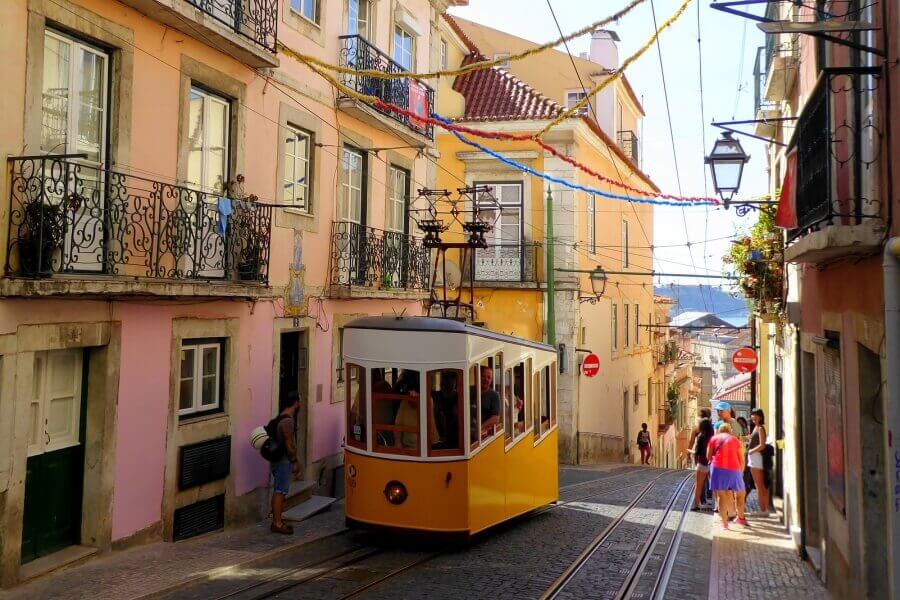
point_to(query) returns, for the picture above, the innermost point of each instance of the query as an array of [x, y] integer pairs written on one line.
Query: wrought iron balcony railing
[[69, 217], [507, 262], [365, 257], [256, 20], [832, 148], [414, 96], [628, 142]]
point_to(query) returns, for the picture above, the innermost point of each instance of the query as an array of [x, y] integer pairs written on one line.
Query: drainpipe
[[551, 274], [891, 267]]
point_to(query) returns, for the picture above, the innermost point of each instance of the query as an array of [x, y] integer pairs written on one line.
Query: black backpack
[[768, 454], [271, 450]]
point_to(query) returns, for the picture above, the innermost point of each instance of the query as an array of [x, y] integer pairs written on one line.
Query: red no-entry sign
[[591, 365], [745, 360]]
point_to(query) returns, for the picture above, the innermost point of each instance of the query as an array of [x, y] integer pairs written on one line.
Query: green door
[[55, 468]]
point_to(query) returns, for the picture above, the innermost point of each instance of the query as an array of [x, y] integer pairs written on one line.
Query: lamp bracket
[[727, 126]]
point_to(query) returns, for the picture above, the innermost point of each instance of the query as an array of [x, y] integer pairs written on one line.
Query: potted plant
[[40, 235]]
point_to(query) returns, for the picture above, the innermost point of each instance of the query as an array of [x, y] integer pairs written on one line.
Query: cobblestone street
[[520, 560]]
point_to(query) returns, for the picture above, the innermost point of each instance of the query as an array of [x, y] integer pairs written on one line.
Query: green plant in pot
[[40, 236]]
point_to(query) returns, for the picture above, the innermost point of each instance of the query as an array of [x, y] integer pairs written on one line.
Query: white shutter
[[54, 415]]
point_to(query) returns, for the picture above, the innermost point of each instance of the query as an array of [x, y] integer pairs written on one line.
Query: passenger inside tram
[[490, 402], [445, 408], [408, 409], [519, 398]]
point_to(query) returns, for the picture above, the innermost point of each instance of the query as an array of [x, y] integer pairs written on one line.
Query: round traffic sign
[[744, 360], [591, 365]]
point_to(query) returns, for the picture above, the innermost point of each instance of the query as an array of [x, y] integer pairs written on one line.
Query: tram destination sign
[[744, 360], [591, 365]]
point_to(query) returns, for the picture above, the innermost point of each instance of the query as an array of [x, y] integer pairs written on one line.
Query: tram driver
[[490, 402]]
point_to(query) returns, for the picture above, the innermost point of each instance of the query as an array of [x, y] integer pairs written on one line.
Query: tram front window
[[444, 394], [356, 401]]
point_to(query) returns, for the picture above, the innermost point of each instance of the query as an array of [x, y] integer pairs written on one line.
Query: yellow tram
[[450, 428]]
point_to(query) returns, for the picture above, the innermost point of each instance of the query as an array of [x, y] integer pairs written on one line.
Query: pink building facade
[[189, 217]]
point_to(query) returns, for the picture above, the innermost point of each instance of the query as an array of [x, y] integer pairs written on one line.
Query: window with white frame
[[503, 259], [627, 329], [505, 63], [615, 327], [74, 97], [397, 193], [298, 145], [352, 180], [443, 54], [359, 19], [200, 385], [625, 257], [208, 131], [592, 224], [308, 8], [574, 97], [404, 48]]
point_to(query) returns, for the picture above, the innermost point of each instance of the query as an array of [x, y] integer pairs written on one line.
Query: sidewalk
[[147, 571], [759, 562]]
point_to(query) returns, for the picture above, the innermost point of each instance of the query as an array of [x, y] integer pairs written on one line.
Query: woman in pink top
[[726, 472]]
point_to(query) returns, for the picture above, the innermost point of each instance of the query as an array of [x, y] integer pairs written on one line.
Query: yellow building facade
[[599, 417]]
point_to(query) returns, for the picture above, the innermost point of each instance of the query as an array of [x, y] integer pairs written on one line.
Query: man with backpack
[[281, 452], [643, 442]]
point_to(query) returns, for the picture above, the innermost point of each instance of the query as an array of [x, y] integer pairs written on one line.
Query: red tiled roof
[[470, 46], [495, 95]]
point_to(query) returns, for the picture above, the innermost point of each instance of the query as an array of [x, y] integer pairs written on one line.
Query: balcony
[[415, 96], [244, 29], [835, 219], [371, 263], [507, 264], [628, 142], [763, 108], [782, 65], [78, 229]]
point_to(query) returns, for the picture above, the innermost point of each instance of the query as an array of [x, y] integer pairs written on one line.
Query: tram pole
[[551, 300]]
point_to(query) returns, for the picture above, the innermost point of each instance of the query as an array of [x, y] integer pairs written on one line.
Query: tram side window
[[508, 405], [519, 396], [445, 394], [395, 410], [474, 383], [356, 406], [536, 402], [545, 400], [490, 383], [551, 394]]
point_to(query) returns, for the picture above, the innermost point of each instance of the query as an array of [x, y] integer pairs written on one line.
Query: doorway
[[54, 478], [810, 457], [293, 377], [779, 435]]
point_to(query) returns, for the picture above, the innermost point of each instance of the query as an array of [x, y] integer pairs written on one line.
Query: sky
[[727, 95]]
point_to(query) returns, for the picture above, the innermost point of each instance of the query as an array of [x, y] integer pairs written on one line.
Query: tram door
[[293, 377]]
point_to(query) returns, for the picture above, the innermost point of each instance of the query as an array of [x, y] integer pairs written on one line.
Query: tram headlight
[[395, 492]]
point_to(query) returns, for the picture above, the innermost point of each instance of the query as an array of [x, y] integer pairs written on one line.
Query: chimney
[[604, 50]]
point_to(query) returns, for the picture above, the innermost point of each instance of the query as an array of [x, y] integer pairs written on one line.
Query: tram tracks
[[635, 577]]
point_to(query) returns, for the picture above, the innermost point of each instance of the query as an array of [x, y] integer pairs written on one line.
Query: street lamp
[[727, 161], [598, 285]]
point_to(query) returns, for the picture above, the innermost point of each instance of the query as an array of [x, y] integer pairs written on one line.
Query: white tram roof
[[425, 340]]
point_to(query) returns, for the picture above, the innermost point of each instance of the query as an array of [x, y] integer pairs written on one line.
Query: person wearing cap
[[726, 415]]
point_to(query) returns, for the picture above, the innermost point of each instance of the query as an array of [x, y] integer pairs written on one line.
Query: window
[[356, 406], [592, 224], [536, 402], [508, 406], [443, 53], [625, 261], [502, 260], [445, 405], [627, 328], [295, 187], [485, 394], [505, 64], [404, 48], [637, 326], [352, 179], [546, 393], [395, 411], [209, 120], [201, 388], [308, 8], [615, 327], [359, 19], [573, 98], [474, 385], [398, 191], [637, 395], [74, 97]]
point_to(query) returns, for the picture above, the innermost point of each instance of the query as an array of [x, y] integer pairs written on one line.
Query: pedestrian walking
[[725, 453], [285, 467], [755, 460], [643, 442], [705, 434]]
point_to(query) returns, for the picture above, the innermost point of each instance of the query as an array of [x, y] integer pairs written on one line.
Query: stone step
[[313, 506], [300, 492]]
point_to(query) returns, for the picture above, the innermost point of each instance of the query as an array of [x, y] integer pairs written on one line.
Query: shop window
[[445, 405], [395, 411], [356, 406]]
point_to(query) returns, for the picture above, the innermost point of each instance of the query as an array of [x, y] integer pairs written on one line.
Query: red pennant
[[786, 217]]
